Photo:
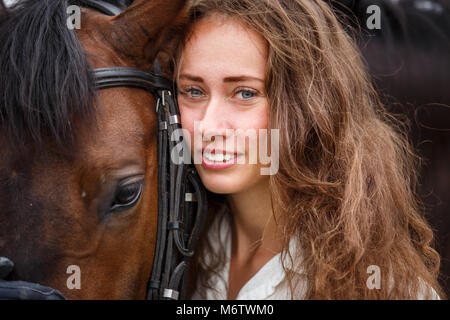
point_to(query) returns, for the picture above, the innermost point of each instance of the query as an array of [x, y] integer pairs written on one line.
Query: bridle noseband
[[182, 200]]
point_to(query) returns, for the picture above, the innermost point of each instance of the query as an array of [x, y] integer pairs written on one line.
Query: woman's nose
[[216, 119]]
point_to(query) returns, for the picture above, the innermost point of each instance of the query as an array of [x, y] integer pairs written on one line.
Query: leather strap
[[129, 77], [103, 7], [179, 221]]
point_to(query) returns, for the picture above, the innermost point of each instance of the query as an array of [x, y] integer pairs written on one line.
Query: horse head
[[78, 167]]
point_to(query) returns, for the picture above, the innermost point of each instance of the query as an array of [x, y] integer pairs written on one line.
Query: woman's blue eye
[[194, 92], [246, 94]]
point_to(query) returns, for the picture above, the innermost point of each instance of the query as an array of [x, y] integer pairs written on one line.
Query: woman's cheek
[[186, 119], [187, 123]]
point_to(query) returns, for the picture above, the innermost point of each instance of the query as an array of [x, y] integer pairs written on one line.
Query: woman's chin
[[220, 185], [230, 181], [218, 181]]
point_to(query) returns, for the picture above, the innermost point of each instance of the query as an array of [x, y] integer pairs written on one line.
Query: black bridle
[[181, 196]]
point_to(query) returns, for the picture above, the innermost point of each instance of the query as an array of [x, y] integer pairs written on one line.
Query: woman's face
[[222, 89]]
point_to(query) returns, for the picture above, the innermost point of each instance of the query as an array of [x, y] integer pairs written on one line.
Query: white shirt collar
[[267, 283]]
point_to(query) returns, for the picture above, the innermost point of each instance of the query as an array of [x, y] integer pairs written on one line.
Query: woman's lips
[[219, 160]]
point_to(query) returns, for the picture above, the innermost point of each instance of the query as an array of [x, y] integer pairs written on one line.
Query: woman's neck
[[254, 238], [254, 225]]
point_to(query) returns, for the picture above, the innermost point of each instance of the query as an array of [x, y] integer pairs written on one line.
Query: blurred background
[[408, 58]]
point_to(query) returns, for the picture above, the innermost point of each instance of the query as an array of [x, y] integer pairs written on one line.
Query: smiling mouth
[[218, 157], [215, 159]]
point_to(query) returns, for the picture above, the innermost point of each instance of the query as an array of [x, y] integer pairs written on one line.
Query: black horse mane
[[45, 83]]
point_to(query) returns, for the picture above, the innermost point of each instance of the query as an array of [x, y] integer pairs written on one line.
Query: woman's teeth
[[219, 157]]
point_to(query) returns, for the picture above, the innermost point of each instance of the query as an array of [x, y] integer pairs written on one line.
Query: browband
[[102, 6], [125, 76]]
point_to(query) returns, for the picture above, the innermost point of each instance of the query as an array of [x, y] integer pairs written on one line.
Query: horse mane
[[46, 89]]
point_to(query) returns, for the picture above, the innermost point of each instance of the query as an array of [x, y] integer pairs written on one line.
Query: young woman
[[338, 217]]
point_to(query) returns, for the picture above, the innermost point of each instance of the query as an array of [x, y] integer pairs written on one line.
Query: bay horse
[[78, 168]]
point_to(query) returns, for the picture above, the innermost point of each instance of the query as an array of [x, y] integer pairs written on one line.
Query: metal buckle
[[163, 95], [157, 104], [190, 197], [171, 294], [174, 119]]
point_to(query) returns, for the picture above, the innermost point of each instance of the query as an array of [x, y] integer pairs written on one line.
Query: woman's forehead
[[225, 43]]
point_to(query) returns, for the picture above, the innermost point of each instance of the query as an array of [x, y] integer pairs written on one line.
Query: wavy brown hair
[[346, 185]]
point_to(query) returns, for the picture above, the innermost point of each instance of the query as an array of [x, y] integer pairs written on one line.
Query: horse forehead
[[15, 174], [126, 125], [20, 168]]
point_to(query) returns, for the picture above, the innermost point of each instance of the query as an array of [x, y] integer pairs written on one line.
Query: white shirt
[[268, 283]]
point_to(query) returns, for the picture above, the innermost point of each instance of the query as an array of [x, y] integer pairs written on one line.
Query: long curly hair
[[346, 185]]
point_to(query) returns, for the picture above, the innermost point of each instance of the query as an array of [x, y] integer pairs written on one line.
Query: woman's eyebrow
[[241, 78], [227, 79], [191, 77]]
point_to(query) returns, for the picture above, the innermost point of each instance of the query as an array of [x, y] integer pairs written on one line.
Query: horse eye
[[127, 196]]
